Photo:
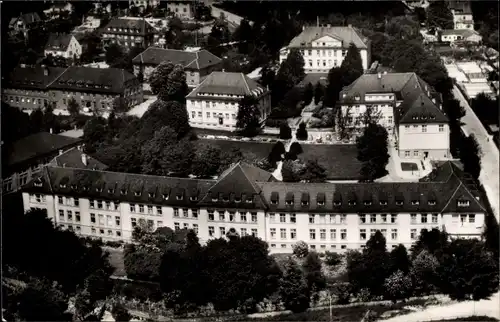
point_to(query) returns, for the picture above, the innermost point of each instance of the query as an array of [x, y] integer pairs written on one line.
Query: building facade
[[246, 200], [462, 15], [215, 102], [406, 106], [197, 64], [128, 33], [24, 22], [325, 47], [29, 88], [183, 9], [461, 36], [64, 45]]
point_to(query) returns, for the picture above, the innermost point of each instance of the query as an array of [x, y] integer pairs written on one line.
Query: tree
[[343, 122], [470, 156], [467, 271], [308, 93], [248, 117], [291, 171], [491, 234], [352, 65], [293, 288], [285, 131], [399, 259], [402, 27], [300, 249], [120, 313], [373, 152], [294, 151], [162, 113], [398, 286], [453, 109], [206, 162], [290, 73], [168, 81], [371, 116], [114, 54], [276, 154], [319, 92], [313, 172], [202, 12], [424, 272], [243, 34], [439, 15], [332, 259], [73, 107], [334, 87], [120, 105], [434, 241], [94, 133], [302, 132], [315, 278]]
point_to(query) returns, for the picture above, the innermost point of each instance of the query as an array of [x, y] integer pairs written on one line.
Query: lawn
[[339, 160], [409, 166], [228, 133]]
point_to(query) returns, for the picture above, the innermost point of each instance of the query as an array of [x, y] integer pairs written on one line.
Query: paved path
[[464, 309], [140, 109], [489, 176]]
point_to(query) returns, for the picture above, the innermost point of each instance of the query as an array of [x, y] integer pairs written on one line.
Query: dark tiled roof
[[73, 159], [420, 110], [58, 42], [345, 34], [88, 79], [27, 18], [137, 24], [189, 60], [33, 77], [439, 192], [462, 6], [38, 145], [229, 84]]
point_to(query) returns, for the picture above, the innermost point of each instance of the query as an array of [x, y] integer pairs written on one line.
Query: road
[[489, 176]]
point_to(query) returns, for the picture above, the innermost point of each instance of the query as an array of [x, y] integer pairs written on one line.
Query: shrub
[[343, 292], [295, 148], [398, 286], [364, 295], [272, 122], [302, 132], [285, 131], [300, 249], [333, 259]]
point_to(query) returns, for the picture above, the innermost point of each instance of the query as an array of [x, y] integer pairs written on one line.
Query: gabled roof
[[228, 84], [460, 32], [344, 34], [27, 18], [72, 158], [189, 60], [463, 7], [32, 77], [420, 110], [110, 80], [38, 145], [59, 42], [125, 23]]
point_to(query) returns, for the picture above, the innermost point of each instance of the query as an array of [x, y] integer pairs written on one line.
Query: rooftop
[[58, 42], [461, 32], [346, 35], [226, 83], [33, 77], [74, 158], [189, 60]]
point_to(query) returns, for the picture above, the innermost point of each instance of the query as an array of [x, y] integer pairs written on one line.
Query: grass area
[[250, 150], [409, 166], [470, 318], [116, 260], [228, 133]]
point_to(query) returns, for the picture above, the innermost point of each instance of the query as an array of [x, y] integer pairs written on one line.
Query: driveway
[[140, 109], [489, 176]]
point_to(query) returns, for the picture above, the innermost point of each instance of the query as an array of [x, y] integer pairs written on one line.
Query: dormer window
[[62, 185], [249, 200], [215, 199], [165, 196], [274, 198], [38, 182], [337, 202], [98, 189], [321, 203], [432, 203], [463, 203], [111, 191], [383, 203], [305, 203], [85, 188], [73, 186], [352, 203], [193, 198], [415, 202], [237, 199], [399, 202], [123, 191], [225, 198], [137, 193], [367, 203], [179, 197], [151, 194], [289, 202]]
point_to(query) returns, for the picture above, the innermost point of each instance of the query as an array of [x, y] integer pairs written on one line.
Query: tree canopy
[[439, 15], [248, 117], [168, 81], [373, 152]]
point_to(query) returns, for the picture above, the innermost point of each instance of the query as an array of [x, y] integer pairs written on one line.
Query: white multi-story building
[[325, 47], [406, 106], [183, 9], [247, 200], [214, 103], [64, 45], [462, 15]]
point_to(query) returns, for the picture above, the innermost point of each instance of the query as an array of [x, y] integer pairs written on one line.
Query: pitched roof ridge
[[453, 195], [246, 176], [197, 60], [56, 78], [246, 83], [46, 170]]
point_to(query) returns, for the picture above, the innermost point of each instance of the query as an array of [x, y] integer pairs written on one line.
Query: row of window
[[109, 232], [105, 205], [325, 64], [108, 222], [215, 115], [222, 231], [149, 223], [69, 201], [35, 101], [322, 234], [147, 209], [69, 216], [130, 30], [423, 128], [232, 216], [323, 52], [194, 227], [185, 212]]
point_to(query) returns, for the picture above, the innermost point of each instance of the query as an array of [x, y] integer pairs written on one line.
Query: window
[[413, 219], [185, 226], [141, 209], [311, 219], [92, 230], [254, 232], [92, 204], [282, 217], [254, 217], [394, 234], [424, 128], [176, 212], [101, 219], [231, 216], [70, 215], [61, 214], [343, 218], [472, 218], [362, 234], [77, 216], [194, 213], [60, 200], [211, 231], [92, 218], [441, 128], [117, 220], [413, 234], [293, 233], [211, 215], [463, 203], [177, 226], [208, 115], [158, 210], [150, 210], [272, 217], [222, 217], [99, 204], [434, 218], [463, 219], [108, 205], [407, 153], [283, 233], [293, 218], [384, 218], [243, 231], [243, 216], [312, 234], [273, 233], [343, 234], [373, 219], [423, 218], [132, 207], [384, 232], [393, 218]]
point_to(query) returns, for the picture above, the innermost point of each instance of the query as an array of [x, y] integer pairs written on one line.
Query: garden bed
[[409, 166], [470, 318]]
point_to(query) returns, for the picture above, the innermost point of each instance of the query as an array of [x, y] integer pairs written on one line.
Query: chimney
[[84, 159], [303, 27], [223, 70], [379, 75], [51, 131]]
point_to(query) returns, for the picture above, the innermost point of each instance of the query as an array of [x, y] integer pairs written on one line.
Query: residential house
[[143, 4], [59, 7], [324, 47], [26, 156], [215, 102], [246, 200], [24, 22], [30, 88], [462, 14], [183, 9], [197, 65], [76, 158], [64, 45], [461, 36], [128, 33], [406, 106]]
